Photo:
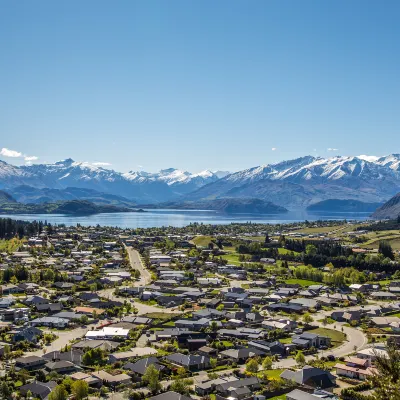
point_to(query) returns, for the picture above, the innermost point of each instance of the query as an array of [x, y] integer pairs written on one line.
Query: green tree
[[267, 363], [386, 380], [213, 362], [386, 249], [80, 389], [181, 386], [252, 366], [58, 393], [307, 318], [300, 359], [151, 377]]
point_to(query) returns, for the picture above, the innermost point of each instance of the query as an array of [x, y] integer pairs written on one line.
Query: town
[[301, 311]]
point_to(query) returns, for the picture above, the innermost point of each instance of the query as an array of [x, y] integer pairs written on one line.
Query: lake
[[179, 218]]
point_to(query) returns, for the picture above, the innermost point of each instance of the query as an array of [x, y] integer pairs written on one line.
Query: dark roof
[[140, 366], [170, 396]]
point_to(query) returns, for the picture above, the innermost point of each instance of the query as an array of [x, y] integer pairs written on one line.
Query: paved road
[[64, 338], [356, 339], [145, 279]]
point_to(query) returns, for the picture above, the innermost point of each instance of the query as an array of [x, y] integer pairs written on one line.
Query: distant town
[[239, 311]]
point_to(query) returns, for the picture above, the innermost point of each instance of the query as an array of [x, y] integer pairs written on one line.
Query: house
[[383, 296], [242, 388], [310, 377], [190, 362], [206, 388], [170, 396], [136, 352], [52, 322], [285, 325], [74, 356], [298, 394], [38, 389], [272, 348], [241, 355], [346, 316], [30, 334], [355, 368], [308, 340], [288, 308], [61, 367], [108, 332], [30, 363], [306, 303], [138, 368], [371, 353], [91, 380], [112, 380]]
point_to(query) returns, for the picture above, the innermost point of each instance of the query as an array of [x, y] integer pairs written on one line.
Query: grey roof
[[170, 396]]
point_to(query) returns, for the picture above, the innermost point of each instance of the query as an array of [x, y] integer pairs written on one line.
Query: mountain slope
[[301, 182], [139, 186], [229, 206], [29, 194], [391, 209], [6, 197], [335, 205]]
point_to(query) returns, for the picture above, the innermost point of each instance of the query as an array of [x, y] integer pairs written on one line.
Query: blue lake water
[[179, 218]]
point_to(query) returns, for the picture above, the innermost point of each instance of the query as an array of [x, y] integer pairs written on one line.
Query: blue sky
[[197, 84]]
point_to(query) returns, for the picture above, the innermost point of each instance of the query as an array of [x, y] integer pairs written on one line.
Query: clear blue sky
[[198, 84]]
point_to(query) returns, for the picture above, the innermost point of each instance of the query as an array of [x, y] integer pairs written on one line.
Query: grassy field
[[232, 258], [274, 373], [202, 240], [337, 337], [281, 250], [302, 282]]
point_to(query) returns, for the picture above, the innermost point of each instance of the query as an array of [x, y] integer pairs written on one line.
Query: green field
[[274, 373], [337, 337], [302, 282], [202, 241]]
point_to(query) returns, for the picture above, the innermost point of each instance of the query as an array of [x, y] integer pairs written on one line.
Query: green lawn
[[274, 373], [286, 340], [302, 282], [232, 258], [337, 337], [202, 241], [281, 397], [281, 250]]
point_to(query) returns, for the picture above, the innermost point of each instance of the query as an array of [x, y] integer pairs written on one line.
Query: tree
[[386, 249], [252, 366], [307, 318], [214, 326], [84, 319], [80, 389], [5, 390], [300, 359], [181, 386], [267, 363], [311, 250], [213, 362], [267, 239], [386, 379], [58, 393], [220, 307], [151, 377]]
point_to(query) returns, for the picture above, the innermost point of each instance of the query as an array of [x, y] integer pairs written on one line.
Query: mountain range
[[294, 184]]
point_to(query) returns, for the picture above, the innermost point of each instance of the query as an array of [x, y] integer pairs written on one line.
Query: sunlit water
[[179, 218]]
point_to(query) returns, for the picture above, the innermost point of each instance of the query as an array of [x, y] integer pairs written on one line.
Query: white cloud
[[273, 149], [140, 166], [368, 158], [332, 149], [31, 158], [101, 164], [10, 153]]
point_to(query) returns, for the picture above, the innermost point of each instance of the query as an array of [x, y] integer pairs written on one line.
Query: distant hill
[[29, 194], [337, 205], [390, 210], [72, 207], [6, 198], [229, 206]]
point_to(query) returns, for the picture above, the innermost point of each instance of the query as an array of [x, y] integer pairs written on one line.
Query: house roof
[[170, 396]]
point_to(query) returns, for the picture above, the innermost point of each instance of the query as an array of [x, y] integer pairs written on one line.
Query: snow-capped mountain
[[140, 186], [179, 181], [307, 180], [294, 183]]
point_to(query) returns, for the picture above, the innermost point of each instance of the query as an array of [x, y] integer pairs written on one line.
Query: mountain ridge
[[293, 183]]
